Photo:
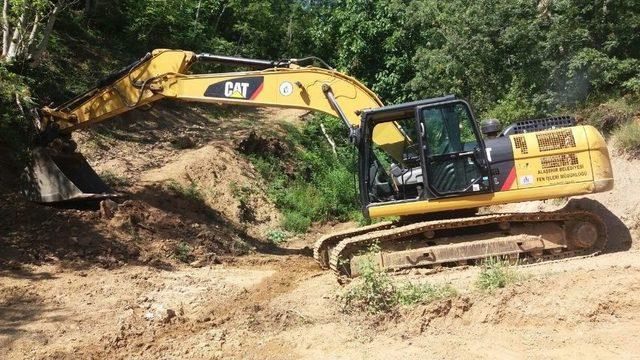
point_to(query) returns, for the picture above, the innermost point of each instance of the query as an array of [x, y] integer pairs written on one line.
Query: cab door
[[454, 152]]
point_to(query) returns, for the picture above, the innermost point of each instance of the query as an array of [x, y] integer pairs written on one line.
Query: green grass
[[376, 292], [191, 191], [496, 274], [627, 137]]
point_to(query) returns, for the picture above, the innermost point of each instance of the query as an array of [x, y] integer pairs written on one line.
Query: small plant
[[277, 236], [627, 137], [182, 252], [113, 179], [495, 274], [190, 191], [376, 291], [243, 194], [410, 294]]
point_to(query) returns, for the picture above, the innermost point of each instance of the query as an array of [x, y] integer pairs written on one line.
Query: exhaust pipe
[[54, 176]]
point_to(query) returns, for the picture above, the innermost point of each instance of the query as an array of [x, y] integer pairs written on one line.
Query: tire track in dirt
[[289, 270]]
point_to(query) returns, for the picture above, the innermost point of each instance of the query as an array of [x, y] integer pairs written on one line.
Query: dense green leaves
[[512, 59]]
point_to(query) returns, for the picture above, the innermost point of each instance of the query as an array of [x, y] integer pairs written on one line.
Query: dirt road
[[285, 307]]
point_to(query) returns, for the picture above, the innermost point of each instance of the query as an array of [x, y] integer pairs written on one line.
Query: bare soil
[[89, 284]]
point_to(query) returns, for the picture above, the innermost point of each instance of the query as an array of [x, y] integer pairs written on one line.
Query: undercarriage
[[522, 237]]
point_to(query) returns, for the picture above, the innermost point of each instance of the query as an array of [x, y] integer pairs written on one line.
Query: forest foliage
[[512, 59]]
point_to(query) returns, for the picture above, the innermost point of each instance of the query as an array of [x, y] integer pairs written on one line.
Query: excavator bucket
[[55, 177]]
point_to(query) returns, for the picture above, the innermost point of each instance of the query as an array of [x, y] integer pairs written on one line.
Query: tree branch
[[329, 139]]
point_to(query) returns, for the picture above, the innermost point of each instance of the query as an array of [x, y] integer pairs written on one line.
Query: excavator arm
[[161, 74], [58, 176]]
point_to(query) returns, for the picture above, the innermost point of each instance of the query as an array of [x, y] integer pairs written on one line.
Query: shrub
[[495, 274], [611, 114], [312, 183], [295, 222], [375, 292], [277, 236]]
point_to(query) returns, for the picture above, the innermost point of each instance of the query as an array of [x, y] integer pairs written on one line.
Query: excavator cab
[[443, 156]]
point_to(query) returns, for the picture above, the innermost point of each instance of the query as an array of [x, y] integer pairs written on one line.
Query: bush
[[321, 186], [13, 125], [496, 274], [375, 293], [627, 137], [295, 222], [611, 114]]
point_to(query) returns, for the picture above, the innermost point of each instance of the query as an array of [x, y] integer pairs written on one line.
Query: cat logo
[[247, 88], [236, 90]]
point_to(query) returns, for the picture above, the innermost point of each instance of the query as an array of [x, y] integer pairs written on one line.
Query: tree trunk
[[6, 30], [16, 39], [35, 55], [30, 44]]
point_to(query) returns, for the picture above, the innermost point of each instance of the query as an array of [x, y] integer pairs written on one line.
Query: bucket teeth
[[54, 177]]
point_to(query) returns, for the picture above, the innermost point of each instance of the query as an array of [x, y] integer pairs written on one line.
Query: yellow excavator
[[428, 163]]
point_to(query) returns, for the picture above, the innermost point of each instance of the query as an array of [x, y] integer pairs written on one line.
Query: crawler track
[[531, 237]]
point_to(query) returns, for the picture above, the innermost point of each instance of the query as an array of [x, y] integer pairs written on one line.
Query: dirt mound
[[161, 234], [221, 180], [542, 302]]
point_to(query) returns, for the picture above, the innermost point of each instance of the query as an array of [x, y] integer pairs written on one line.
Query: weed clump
[[376, 292], [182, 252], [495, 274], [627, 138], [277, 236], [191, 191]]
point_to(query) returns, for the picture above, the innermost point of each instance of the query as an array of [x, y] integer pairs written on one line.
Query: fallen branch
[[331, 142]]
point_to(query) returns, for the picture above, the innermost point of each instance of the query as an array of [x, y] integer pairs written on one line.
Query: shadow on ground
[[618, 236]]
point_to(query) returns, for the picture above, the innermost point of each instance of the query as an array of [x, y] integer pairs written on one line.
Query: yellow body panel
[[552, 157], [472, 201], [554, 163]]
